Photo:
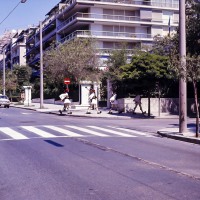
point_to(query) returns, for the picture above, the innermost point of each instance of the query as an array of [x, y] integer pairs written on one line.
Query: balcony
[[174, 4], [150, 3], [108, 35], [114, 18], [46, 38], [108, 51]]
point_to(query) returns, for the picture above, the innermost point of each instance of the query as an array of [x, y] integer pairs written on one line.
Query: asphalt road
[[48, 157]]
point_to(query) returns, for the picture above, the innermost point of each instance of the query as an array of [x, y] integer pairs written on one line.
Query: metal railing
[[150, 3], [122, 18], [87, 33]]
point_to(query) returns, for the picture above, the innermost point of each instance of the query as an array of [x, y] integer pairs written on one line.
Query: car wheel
[[8, 106]]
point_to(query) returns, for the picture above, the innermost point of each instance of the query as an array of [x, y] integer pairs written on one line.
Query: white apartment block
[[110, 22]]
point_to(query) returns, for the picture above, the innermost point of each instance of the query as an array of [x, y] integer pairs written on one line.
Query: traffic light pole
[[182, 79]]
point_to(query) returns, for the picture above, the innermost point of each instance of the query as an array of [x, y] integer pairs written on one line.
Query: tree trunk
[[149, 105], [197, 107]]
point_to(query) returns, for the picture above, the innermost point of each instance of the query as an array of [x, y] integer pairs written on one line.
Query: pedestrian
[[67, 103], [113, 102], [92, 100], [138, 102]]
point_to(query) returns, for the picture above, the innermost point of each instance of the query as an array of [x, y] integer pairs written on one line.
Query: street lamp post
[[41, 69], [4, 73], [182, 79]]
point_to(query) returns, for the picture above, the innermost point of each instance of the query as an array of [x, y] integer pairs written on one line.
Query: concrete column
[[27, 99]]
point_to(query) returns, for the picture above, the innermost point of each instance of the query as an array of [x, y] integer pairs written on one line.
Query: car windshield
[[3, 97]]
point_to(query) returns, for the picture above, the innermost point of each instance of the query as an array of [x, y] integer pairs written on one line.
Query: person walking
[[138, 102], [93, 103], [67, 103], [113, 102]]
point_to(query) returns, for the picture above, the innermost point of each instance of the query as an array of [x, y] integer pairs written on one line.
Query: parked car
[[4, 101]]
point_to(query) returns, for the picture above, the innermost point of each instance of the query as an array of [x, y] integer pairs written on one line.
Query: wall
[[167, 105]]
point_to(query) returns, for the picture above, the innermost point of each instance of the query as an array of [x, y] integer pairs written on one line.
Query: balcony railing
[[104, 34], [119, 17], [150, 3], [110, 50], [122, 18]]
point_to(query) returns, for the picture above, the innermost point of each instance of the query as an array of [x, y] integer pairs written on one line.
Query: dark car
[[4, 101]]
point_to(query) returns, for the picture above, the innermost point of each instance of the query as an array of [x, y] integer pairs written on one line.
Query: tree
[[193, 74], [193, 27], [76, 59], [10, 82], [149, 70], [117, 58], [23, 75]]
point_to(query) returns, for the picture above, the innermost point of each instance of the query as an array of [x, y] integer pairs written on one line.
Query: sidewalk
[[172, 133], [54, 109]]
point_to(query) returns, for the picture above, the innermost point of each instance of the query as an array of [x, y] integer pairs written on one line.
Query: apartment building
[[4, 41], [15, 48], [111, 22]]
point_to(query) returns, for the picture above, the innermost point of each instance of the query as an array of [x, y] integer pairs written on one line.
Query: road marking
[[132, 131], [13, 134], [38, 131], [111, 131], [64, 131], [88, 131]]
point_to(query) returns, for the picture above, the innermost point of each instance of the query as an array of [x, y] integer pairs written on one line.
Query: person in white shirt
[[93, 103], [113, 102], [67, 103]]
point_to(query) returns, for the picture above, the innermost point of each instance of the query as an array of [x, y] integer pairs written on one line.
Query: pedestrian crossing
[[49, 131]]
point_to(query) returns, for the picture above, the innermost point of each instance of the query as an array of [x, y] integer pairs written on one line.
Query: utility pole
[[41, 69], [182, 79], [4, 73]]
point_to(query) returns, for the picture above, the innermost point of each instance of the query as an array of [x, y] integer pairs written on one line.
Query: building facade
[[110, 22]]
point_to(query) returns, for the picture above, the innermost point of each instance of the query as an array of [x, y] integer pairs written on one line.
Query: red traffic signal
[[67, 81]]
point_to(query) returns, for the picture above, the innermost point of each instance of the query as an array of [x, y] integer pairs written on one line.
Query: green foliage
[[147, 70], [193, 68], [10, 82], [23, 75], [76, 59], [193, 27], [117, 58], [146, 65]]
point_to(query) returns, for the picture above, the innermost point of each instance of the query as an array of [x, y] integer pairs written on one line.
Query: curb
[[179, 137], [89, 115]]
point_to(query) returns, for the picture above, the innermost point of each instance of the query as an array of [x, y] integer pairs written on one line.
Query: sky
[[25, 14]]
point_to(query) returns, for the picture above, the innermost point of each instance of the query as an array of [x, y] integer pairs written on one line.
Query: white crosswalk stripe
[[111, 131], [38, 131], [13, 134], [49, 131], [89, 131], [64, 131], [132, 131]]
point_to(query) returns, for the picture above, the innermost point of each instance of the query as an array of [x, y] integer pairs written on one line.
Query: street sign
[[67, 81]]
